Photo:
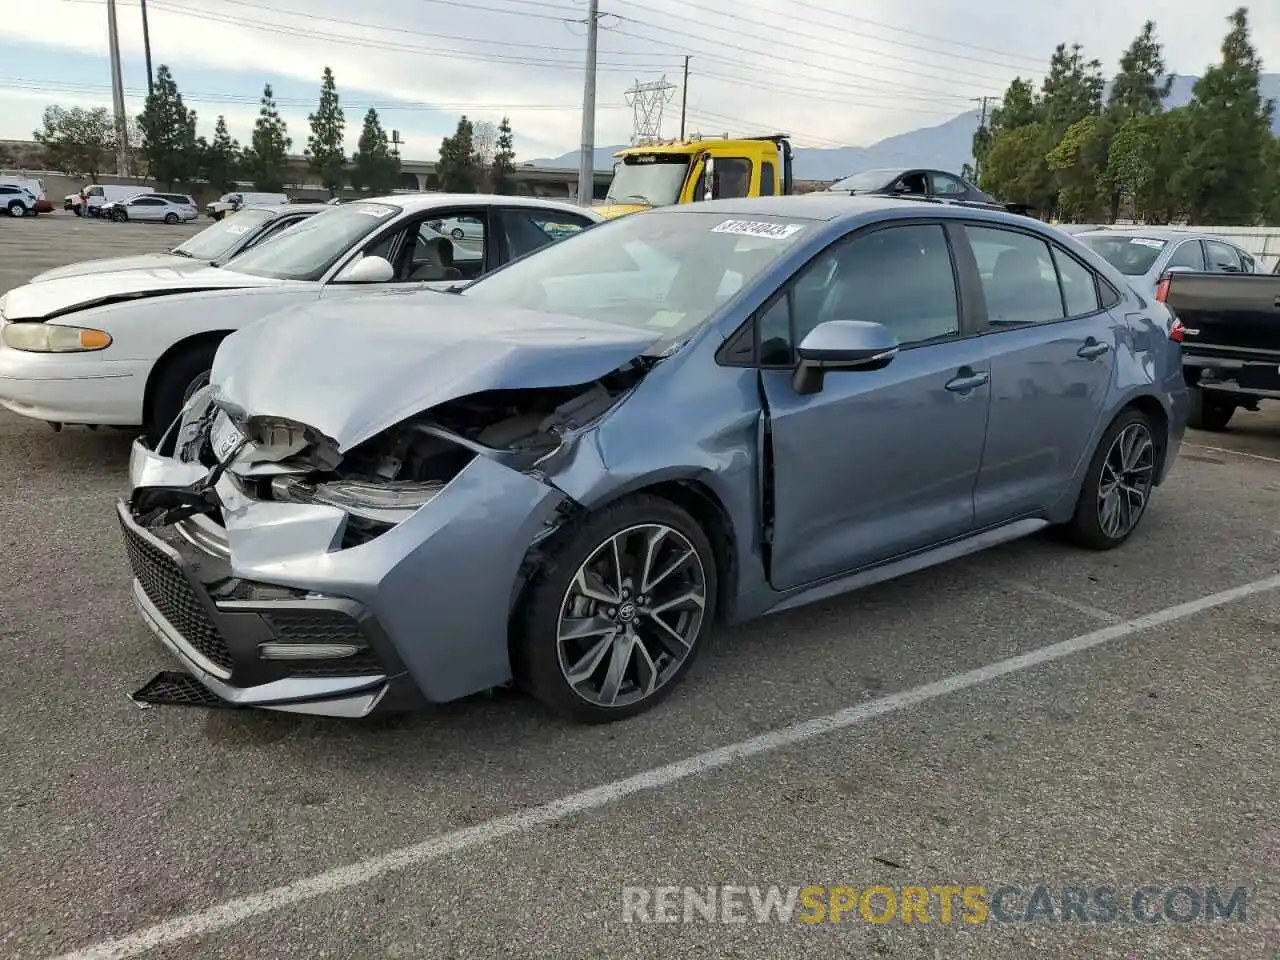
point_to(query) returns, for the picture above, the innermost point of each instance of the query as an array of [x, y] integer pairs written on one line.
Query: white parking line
[[1234, 453], [1031, 590], [235, 912]]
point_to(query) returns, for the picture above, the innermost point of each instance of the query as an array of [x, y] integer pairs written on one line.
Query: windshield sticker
[[755, 228], [369, 210], [237, 231], [1144, 242]]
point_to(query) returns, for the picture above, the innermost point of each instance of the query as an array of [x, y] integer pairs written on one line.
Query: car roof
[[829, 205], [418, 202], [1155, 233]]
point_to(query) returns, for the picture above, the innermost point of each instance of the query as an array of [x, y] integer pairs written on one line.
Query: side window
[[1079, 289], [1223, 257], [901, 277], [528, 230], [1019, 280], [443, 248], [275, 230], [734, 176], [912, 184], [766, 179], [1247, 263], [1189, 254], [945, 185]]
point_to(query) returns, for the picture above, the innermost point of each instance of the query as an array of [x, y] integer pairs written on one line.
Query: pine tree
[[456, 167], [169, 142], [1223, 170], [1140, 88], [266, 157], [502, 173], [325, 145], [1072, 90], [374, 167], [221, 158]]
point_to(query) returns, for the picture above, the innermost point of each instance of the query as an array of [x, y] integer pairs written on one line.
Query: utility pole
[[146, 46], [982, 125], [117, 94], [684, 96], [587, 157]]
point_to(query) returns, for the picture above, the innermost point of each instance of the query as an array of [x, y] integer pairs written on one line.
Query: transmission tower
[[647, 101]]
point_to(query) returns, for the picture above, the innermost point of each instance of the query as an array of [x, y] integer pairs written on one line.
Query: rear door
[[522, 230], [1052, 342], [147, 208]]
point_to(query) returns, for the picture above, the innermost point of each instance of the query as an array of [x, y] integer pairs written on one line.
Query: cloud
[[827, 77]]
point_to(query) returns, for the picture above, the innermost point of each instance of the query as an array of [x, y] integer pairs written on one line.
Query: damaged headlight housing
[[54, 338], [380, 502]]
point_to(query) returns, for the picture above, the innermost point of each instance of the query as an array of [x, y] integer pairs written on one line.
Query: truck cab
[[686, 171]]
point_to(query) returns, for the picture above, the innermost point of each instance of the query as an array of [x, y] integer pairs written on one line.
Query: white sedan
[[459, 228], [128, 349], [154, 208]]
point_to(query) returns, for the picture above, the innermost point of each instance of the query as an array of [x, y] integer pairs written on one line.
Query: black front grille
[[168, 588]]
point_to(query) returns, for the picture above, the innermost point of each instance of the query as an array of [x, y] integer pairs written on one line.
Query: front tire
[[16, 209], [181, 376], [457, 233], [1119, 483], [120, 216], [1209, 412], [618, 612]]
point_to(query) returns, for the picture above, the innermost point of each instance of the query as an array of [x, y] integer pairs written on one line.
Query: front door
[[879, 462], [1053, 345]]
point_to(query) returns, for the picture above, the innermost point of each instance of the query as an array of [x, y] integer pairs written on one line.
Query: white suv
[[17, 201]]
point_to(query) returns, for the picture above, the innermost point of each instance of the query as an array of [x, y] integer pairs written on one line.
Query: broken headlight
[[385, 502]]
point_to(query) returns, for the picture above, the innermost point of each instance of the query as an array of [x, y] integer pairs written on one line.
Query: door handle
[[1092, 349], [967, 380]]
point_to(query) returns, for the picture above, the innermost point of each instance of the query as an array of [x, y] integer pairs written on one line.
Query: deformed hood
[[52, 298], [354, 367]]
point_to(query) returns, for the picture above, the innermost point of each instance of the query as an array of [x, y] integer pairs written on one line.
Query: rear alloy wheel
[[170, 218], [16, 209], [619, 613], [1121, 478], [1209, 412]]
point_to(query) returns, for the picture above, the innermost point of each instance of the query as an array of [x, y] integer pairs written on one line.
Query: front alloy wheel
[[620, 611]]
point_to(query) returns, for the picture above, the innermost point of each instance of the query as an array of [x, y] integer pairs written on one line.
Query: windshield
[[307, 251], [865, 181], [665, 272], [212, 242], [1132, 256], [653, 178]]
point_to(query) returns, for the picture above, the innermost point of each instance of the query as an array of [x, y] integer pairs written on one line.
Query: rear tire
[[1208, 412], [1119, 483], [170, 218], [182, 375], [653, 654]]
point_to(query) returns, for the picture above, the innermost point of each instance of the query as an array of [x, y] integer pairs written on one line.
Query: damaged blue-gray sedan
[[563, 475]]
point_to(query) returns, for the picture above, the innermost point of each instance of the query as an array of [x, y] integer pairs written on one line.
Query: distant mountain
[[947, 146]]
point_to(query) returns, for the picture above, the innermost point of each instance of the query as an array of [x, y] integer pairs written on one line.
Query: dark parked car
[[1231, 341], [936, 185]]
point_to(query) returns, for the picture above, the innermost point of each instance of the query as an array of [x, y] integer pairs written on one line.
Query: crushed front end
[[287, 573]]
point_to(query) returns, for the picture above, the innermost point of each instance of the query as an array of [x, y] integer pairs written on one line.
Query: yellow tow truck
[[685, 171]]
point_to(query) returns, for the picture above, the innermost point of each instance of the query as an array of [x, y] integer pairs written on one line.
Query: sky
[[805, 67]]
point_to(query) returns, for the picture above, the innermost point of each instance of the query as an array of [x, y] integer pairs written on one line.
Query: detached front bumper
[[266, 609]]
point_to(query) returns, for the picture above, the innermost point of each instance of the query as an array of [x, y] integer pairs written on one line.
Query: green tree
[[1076, 162], [1142, 162], [267, 156], [1019, 107], [328, 159], [456, 167], [77, 141], [221, 158], [502, 172], [169, 142], [1141, 85], [1271, 190], [1071, 91], [1223, 172], [1015, 169], [374, 166]]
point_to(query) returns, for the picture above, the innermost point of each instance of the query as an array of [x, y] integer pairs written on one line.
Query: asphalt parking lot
[[1033, 716]]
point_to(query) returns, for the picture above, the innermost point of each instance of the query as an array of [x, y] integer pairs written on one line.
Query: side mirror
[[841, 345], [367, 270], [1172, 270]]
